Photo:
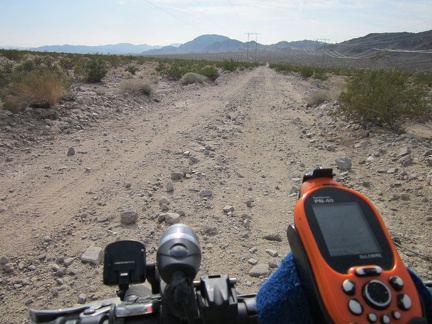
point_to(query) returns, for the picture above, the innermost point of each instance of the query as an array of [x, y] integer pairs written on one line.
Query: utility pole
[[256, 44], [324, 40]]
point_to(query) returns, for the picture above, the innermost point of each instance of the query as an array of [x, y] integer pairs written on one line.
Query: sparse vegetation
[[136, 87], [6, 68], [132, 69], [308, 71], [35, 89], [176, 69], [318, 97], [385, 98], [239, 135], [191, 78], [230, 65], [95, 70], [210, 72]]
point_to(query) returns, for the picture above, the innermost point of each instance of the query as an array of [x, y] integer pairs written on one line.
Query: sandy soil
[[248, 139]]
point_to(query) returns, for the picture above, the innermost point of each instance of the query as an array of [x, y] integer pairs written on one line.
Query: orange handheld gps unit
[[346, 260]]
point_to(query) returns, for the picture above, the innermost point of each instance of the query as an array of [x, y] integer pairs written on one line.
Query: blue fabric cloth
[[424, 293], [282, 299]]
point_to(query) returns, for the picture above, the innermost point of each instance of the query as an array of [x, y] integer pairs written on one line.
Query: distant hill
[[122, 48], [295, 45], [223, 44], [391, 41], [201, 44]]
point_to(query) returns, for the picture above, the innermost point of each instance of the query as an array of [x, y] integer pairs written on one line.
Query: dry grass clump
[[329, 89], [318, 97], [35, 89], [136, 87], [191, 78]]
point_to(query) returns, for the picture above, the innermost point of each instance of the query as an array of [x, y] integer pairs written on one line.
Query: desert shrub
[[172, 69], [306, 71], [210, 72], [12, 54], [95, 69], [135, 86], [6, 68], [384, 98], [191, 78], [132, 69], [35, 88], [176, 69], [229, 65], [26, 65], [67, 62], [39, 63], [233, 65], [424, 78], [320, 73], [115, 60], [14, 75]]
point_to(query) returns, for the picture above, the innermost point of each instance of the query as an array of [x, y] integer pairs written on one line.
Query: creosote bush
[[310, 71], [229, 65], [95, 70], [132, 69], [210, 72], [191, 78], [41, 89], [176, 69], [384, 98]]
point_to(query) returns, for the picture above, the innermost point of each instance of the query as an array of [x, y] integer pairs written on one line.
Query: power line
[[203, 14], [237, 15], [169, 13], [256, 44]]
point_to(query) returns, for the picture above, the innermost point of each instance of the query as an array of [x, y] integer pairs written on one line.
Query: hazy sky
[[30, 23]]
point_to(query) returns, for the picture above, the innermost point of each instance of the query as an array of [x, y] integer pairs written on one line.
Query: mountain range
[[391, 41], [122, 48], [223, 44]]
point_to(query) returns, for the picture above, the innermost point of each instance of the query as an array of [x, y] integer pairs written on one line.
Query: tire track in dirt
[[56, 186]]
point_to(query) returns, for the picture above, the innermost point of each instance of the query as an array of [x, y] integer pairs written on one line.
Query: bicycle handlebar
[[174, 296], [143, 307], [222, 306]]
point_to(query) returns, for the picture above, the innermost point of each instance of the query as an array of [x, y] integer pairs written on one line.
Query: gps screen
[[345, 229]]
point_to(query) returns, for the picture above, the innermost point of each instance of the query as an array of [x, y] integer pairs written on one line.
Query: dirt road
[[234, 153]]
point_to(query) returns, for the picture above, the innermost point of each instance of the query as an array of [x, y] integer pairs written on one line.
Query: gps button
[[348, 287], [396, 282], [355, 307], [404, 302], [377, 294], [368, 271]]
